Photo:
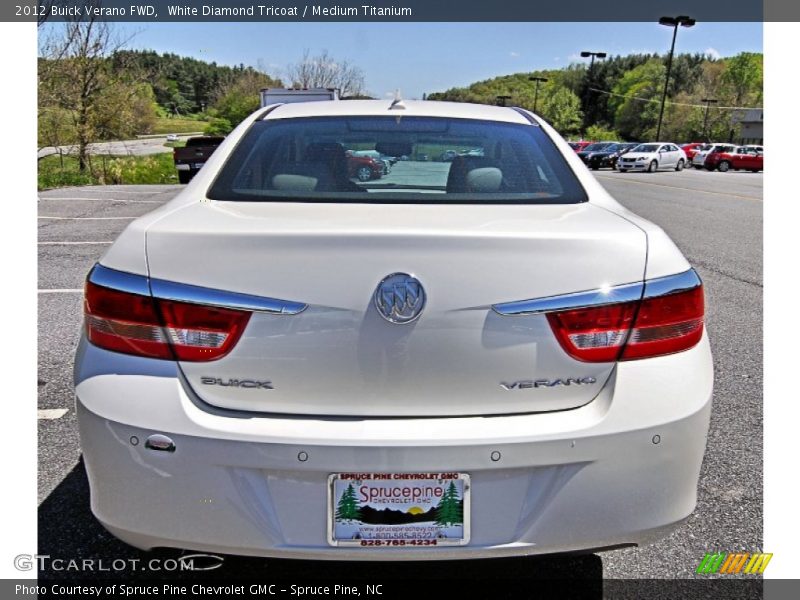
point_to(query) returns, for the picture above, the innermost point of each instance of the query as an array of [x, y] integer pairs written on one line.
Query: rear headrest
[[300, 177], [484, 180], [287, 182], [473, 174]]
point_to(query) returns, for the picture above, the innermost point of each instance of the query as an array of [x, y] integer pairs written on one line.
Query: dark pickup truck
[[190, 158]]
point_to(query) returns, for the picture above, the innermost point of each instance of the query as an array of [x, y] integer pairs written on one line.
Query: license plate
[[391, 510], [198, 165]]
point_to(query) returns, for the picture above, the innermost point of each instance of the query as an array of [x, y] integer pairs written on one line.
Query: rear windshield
[[396, 159]]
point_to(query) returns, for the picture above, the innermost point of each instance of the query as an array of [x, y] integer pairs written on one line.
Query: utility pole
[[538, 80]]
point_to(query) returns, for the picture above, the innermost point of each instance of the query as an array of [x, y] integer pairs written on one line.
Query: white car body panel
[[331, 257], [586, 478], [575, 467]]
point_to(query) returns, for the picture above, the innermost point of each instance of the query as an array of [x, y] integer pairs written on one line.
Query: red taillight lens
[[594, 334], [198, 333], [667, 324], [632, 330], [156, 328]]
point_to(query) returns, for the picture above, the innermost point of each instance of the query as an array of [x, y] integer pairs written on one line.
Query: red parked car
[[690, 149], [740, 158], [363, 168], [579, 146]]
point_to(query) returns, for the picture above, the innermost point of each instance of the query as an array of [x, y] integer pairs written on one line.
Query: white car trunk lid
[[341, 357]]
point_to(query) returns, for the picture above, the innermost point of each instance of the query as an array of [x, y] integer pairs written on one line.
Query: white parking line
[[148, 189], [61, 291], [72, 243], [51, 413], [102, 199], [89, 218]]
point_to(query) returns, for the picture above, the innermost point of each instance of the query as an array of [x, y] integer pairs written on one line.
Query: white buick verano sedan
[[472, 357]]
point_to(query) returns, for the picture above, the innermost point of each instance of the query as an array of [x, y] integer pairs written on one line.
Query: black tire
[[185, 176], [623, 170], [653, 166], [594, 168], [679, 166], [724, 166], [364, 174], [698, 167]]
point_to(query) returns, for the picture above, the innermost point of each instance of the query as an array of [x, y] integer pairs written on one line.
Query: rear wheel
[[652, 167], [623, 170], [364, 173], [724, 166], [184, 176], [679, 166]]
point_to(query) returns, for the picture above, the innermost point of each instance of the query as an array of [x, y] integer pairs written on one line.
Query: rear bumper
[[236, 483]]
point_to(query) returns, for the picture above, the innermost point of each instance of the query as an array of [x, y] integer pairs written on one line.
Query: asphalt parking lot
[[716, 220]]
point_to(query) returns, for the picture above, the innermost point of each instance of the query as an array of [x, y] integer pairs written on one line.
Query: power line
[[607, 93]]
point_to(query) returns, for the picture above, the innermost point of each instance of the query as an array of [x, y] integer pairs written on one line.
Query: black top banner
[[398, 10]]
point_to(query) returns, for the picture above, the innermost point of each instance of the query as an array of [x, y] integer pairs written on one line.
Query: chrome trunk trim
[[182, 292], [628, 292]]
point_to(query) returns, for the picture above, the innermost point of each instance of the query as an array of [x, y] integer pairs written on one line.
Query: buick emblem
[[400, 298]]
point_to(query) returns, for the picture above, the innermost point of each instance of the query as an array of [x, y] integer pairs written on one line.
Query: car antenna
[[397, 103]]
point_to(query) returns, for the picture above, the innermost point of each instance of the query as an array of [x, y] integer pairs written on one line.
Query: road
[[716, 220], [138, 147]]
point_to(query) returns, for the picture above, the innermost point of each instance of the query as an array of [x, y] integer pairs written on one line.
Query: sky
[[421, 58]]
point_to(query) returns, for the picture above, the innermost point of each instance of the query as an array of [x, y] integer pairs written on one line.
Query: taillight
[[157, 328], [667, 324], [632, 330], [594, 334]]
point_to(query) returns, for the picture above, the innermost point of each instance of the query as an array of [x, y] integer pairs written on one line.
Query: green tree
[[218, 126], [348, 508], [76, 75], [601, 132], [561, 108], [240, 98], [635, 100], [744, 73], [450, 510]]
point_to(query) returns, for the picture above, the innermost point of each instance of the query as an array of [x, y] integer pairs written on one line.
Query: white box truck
[[284, 96]]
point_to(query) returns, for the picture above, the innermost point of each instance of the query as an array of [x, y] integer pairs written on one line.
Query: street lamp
[[538, 80], [501, 100], [674, 22], [587, 54], [708, 102]]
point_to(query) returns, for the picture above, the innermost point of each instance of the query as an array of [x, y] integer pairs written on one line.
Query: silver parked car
[[653, 157]]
